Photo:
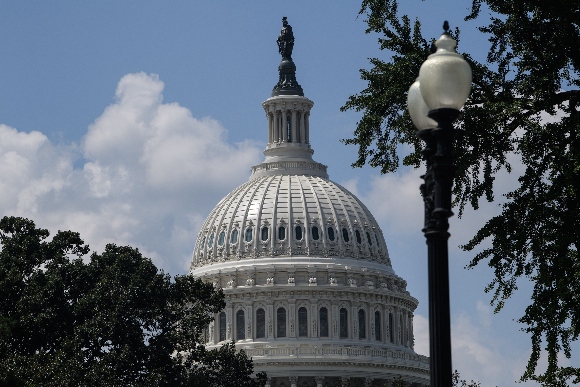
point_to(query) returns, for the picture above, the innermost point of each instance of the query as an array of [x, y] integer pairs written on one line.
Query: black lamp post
[[434, 101]]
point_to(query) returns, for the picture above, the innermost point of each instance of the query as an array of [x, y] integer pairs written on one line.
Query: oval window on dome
[[281, 233], [369, 240], [345, 234], [315, 234], [357, 235], [234, 237], [331, 233], [264, 233], [210, 242], [249, 235], [298, 233], [221, 238]]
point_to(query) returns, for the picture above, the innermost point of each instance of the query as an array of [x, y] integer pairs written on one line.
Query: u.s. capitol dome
[[310, 291]]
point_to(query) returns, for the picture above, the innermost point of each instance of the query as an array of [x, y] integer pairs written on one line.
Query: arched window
[[264, 233], [240, 325], [281, 322], [378, 327], [298, 233], [343, 323], [234, 237], [357, 234], [221, 238], [281, 233], [210, 243], [369, 240], [391, 329], [330, 234], [377, 239], [361, 324], [302, 322], [345, 234], [222, 319], [315, 234], [260, 324], [249, 235], [203, 242], [323, 322]]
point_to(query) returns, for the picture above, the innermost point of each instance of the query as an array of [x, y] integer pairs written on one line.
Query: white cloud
[[479, 352], [151, 174], [395, 200]]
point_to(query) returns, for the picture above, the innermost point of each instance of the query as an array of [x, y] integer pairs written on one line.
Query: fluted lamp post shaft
[[434, 101]]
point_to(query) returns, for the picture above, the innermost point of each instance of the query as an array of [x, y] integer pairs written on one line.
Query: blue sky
[[127, 121]]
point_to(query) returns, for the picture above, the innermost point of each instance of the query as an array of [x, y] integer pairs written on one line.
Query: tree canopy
[[115, 320], [531, 74]]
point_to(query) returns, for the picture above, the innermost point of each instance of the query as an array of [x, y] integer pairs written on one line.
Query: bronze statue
[[285, 40]]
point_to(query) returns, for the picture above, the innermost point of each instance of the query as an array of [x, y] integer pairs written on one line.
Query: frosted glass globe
[[445, 76], [418, 109]]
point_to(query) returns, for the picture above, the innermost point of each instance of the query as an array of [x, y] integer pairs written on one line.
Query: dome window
[[202, 243], [302, 322], [221, 238], [361, 324], [331, 234], [369, 240], [345, 234], [357, 234], [298, 233], [264, 233], [240, 325], [260, 324], [315, 234], [249, 235], [377, 239], [281, 322], [378, 327], [234, 237], [343, 323], [281, 233], [323, 322], [210, 242]]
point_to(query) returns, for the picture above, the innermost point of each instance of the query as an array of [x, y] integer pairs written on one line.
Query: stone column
[[307, 127], [293, 381], [293, 125], [354, 322], [291, 318], [344, 381], [302, 128], [249, 318], [411, 333], [270, 127], [319, 380], [229, 322], [269, 382], [368, 382], [284, 126], [270, 320]]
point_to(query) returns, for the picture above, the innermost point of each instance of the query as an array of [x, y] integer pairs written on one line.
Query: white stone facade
[[310, 292]]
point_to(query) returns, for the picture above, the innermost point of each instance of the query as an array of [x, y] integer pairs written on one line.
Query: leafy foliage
[[532, 73], [116, 320]]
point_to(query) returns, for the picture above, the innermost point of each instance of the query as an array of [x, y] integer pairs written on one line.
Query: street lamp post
[[434, 101]]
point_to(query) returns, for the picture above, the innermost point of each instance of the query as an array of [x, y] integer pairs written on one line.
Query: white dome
[[309, 289], [289, 215]]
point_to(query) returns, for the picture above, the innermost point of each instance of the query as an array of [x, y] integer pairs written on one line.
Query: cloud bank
[[146, 174]]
